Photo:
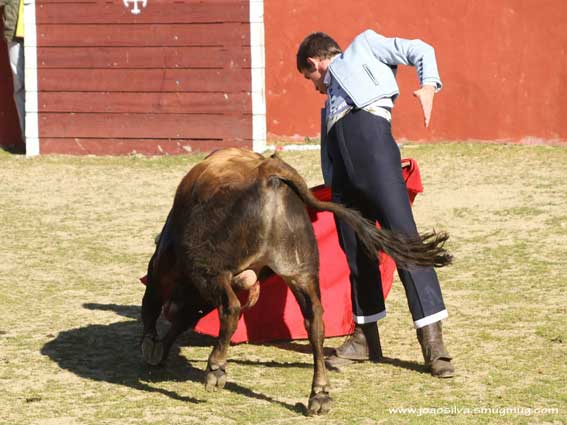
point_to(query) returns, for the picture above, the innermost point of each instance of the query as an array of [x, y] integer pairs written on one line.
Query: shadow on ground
[[111, 353], [306, 349]]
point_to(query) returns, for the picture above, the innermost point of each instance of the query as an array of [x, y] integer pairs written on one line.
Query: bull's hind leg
[[229, 313], [306, 291]]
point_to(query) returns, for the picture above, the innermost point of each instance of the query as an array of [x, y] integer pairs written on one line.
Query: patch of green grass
[[520, 212], [553, 334]]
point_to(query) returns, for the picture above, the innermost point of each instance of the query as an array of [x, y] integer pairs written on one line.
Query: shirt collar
[[327, 78]]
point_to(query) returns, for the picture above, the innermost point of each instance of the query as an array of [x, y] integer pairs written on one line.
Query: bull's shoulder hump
[[231, 165], [230, 169], [220, 166]]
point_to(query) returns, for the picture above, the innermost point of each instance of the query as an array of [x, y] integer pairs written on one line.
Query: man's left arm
[[399, 51]]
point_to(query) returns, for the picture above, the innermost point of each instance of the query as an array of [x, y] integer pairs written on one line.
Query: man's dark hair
[[316, 45]]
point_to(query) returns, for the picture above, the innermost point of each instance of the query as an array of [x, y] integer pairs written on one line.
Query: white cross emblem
[[136, 10]]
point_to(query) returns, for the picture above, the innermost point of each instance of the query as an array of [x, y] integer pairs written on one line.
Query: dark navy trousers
[[367, 176]]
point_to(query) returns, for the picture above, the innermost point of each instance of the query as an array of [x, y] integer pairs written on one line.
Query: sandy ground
[[77, 232]]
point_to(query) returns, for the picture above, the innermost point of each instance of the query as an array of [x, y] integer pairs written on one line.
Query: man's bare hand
[[425, 96]]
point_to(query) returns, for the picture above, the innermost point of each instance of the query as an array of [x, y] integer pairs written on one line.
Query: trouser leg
[[366, 283], [16, 54], [371, 180]]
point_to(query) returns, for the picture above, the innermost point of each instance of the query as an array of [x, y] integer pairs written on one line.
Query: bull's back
[[231, 169], [219, 210]]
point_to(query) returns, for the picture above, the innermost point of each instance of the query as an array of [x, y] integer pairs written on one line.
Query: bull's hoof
[[319, 403], [152, 350], [215, 379]]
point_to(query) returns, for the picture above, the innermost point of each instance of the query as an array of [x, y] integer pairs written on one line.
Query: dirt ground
[[77, 232]]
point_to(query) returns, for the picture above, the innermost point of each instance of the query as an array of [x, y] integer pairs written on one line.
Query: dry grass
[[77, 233]]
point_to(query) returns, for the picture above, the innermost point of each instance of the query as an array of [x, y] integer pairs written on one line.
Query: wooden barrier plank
[[160, 2], [169, 126], [154, 34], [166, 12], [172, 79], [150, 80], [81, 146], [158, 103], [143, 57]]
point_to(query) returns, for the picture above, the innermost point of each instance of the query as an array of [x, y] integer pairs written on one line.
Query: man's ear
[[313, 63]]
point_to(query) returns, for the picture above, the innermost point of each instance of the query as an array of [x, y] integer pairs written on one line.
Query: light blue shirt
[[339, 103], [366, 70], [364, 75]]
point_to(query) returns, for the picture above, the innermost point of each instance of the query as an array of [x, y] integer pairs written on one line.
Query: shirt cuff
[[435, 83]]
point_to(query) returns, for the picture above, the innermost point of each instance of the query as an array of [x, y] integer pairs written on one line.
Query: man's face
[[316, 74]]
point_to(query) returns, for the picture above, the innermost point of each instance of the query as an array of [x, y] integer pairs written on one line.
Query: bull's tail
[[419, 250]]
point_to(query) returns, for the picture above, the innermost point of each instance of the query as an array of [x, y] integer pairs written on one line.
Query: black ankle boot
[[436, 357]]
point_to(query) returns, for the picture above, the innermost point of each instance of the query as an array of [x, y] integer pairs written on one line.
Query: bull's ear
[[275, 155]]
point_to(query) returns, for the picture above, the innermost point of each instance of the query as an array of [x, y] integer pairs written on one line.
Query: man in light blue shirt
[[361, 162]]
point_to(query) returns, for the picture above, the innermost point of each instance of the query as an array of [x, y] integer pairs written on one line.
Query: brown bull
[[236, 215]]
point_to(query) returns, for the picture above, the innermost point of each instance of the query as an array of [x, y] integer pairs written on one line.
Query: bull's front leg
[[152, 349], [306, 291], [186, 307], [155, 350], [229, 313]]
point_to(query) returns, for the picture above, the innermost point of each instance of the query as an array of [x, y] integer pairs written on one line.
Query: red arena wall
[[503, 64], [177, 77]]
